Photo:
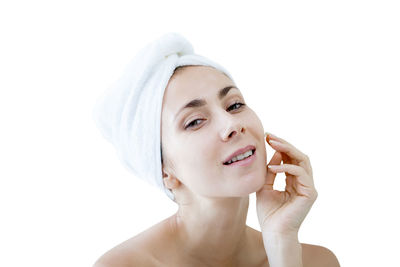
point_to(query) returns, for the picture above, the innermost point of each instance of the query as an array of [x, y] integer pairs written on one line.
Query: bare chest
[[174, 260]]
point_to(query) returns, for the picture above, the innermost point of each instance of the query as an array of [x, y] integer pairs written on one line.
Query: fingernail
[[274, 142], [268, 135], [273, 136]]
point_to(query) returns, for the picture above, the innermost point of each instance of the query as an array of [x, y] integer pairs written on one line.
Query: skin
[[213, 200], [209, 228]]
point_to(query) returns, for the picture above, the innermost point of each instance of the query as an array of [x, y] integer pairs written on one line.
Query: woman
[[213, 157]]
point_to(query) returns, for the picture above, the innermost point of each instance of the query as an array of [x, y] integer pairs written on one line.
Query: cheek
[[198, 164], [255, 122], [200, 160]]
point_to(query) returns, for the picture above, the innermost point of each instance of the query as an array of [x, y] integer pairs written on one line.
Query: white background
[[323, 75]]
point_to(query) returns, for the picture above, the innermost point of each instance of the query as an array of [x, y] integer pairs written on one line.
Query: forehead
[[193, 82]]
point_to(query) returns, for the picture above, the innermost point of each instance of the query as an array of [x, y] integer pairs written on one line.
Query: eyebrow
[[195, 103]]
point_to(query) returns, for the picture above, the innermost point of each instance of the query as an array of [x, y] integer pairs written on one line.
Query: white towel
[[129, 112]]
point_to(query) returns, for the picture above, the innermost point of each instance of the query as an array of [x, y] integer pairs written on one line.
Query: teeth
[[241, 156]]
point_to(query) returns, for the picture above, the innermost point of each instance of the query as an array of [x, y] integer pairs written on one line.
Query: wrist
[[285, 238], [283, 249], [281, 243]]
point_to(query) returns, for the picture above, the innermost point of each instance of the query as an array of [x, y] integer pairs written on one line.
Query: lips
[[239, 151]]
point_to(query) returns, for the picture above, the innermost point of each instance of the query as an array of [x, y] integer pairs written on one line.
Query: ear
[[170, 181]]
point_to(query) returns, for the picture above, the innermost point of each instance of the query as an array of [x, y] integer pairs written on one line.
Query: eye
[[191, 124], [237, 103]]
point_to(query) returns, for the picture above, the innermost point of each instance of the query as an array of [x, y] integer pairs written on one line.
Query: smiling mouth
[[247, 158]]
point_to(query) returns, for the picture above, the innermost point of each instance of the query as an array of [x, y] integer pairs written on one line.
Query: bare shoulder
[[113, 260], [136, 251], [124, 255], [314, 255]]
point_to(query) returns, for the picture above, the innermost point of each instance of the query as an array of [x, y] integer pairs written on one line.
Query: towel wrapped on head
[[129, 112]]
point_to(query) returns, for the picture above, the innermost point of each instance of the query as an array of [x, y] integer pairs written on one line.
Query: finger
[[302, 177], [269, 182], [285, 158], [287, 148], [289, 160], [290, 185], [276, 158]]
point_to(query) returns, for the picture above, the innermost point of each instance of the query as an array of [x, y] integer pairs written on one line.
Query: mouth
[[242, 159]]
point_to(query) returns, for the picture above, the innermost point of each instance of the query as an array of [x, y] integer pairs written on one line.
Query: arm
[[283, 251], [280, 213], [287, 251]]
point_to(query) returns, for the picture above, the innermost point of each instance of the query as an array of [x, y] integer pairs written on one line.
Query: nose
[[234, 127]]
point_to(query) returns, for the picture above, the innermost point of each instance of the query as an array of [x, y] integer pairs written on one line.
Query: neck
[[213, 230]]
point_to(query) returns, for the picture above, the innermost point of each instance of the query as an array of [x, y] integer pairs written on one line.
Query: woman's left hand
[[282, 212]]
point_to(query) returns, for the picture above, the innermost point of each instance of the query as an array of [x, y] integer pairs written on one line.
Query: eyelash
[[241, 105]]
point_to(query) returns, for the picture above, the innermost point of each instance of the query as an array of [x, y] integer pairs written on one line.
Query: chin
[[252, 183]]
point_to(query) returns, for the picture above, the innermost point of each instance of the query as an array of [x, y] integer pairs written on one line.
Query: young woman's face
[[197, 140]]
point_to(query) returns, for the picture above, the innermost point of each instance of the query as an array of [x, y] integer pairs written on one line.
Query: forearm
[[283, 250]]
